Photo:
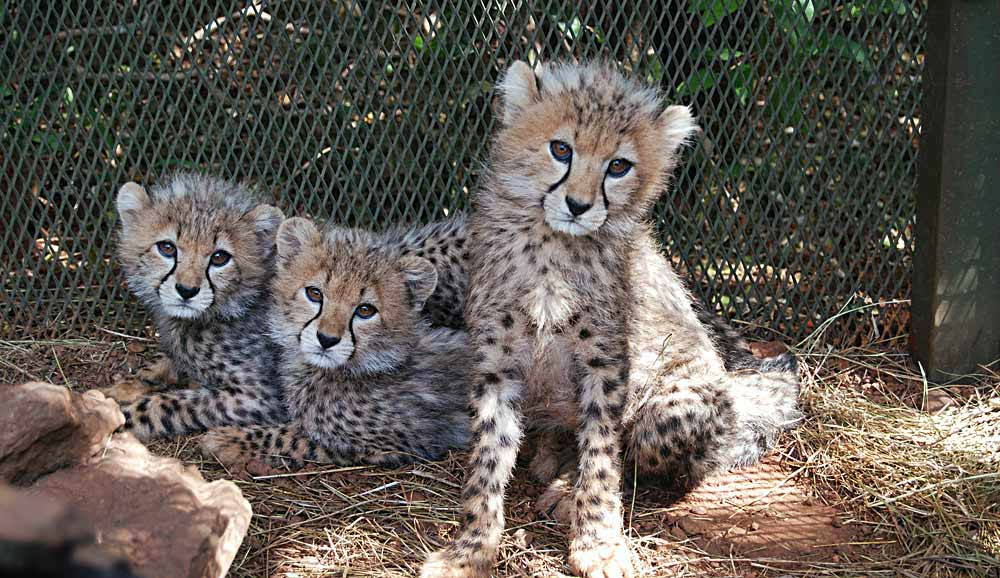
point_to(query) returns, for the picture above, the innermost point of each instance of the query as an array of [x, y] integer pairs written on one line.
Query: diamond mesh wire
[[799, 201]]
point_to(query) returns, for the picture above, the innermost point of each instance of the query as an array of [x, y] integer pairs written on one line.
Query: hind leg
[[678, 434], [691, 428]]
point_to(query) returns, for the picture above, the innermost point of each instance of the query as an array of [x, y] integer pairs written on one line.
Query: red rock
[[162, 517], [44, 427], [45, 536]]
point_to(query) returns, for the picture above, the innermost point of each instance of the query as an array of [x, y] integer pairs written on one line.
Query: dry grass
[[922, 486], [925, 479]]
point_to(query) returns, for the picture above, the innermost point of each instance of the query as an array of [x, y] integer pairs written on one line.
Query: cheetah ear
[[421, 279], [518, 90], [294, 234], [266, 220], [132, 200], [677, 126]]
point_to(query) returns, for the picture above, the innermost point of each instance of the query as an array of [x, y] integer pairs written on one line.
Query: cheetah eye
[[561, 151], [365, 311], [313, 294], [219, 258], [619, 168], [166, 248]]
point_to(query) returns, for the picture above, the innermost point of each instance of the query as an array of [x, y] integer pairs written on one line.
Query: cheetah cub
[[364, 376], [583, 331], [198, 252]]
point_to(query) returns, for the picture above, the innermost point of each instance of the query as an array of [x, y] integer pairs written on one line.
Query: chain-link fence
[[799, 201]]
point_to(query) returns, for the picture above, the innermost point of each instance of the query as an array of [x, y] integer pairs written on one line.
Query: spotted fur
[[583, 331], [444, 244], [210, 338], [216, 342], [365, 377]]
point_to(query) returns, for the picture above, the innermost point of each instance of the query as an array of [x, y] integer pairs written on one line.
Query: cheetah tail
[[766, 403]]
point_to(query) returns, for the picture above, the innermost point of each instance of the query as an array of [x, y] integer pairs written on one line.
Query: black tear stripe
[[604, 193], [208, 277], [167, 276], [354, 340], [314, 317], [569, 167]]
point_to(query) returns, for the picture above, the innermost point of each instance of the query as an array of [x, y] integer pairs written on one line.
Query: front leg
[[163, 370], [598, 548], [285, 445], [182, 412], [161, 375], [496, 431]]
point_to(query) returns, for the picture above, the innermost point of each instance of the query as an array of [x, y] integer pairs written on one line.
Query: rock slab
[[161, 516], [117, 510], [42, 537], [44, 427]]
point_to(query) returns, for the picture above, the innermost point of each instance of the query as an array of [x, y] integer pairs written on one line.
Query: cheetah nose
[[576, 207], [327, 341], [186, 292]]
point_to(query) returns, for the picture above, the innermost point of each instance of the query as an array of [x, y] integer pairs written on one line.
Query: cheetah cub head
[[195, 246], [344, 301], [584, 145]]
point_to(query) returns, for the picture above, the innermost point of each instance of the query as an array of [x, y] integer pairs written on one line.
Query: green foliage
[[373, 113], [711, 11]]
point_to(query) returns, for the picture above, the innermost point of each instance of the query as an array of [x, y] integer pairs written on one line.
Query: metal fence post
[[956, 274]]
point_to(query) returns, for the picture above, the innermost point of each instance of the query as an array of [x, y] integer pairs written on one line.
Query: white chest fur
[[550, 302], [551, 298]]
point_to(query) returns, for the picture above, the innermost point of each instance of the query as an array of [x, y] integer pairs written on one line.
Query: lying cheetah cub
[[582, 328], [199, 252], [364, 376]]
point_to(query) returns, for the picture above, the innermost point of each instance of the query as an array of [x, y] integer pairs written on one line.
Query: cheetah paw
[[557, 501], [161, 370], [606, 559], [127, 390], [445, 564], [224, 445]]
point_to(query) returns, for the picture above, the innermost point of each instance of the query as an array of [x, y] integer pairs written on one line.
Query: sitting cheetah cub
[[364, 376], [583, 330], [198, 252]]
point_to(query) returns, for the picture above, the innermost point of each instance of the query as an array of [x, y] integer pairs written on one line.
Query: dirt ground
[[773, 519]]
